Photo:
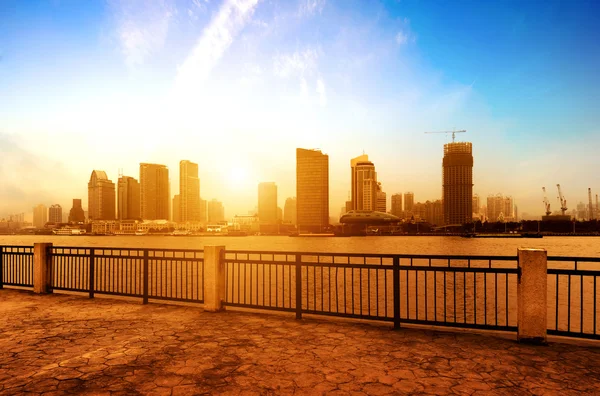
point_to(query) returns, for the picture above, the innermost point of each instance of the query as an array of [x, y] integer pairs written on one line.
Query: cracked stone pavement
[[66, 344]]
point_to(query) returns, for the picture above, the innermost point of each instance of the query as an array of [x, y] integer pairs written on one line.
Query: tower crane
[[563, 201], [546, 202], [454, 132]]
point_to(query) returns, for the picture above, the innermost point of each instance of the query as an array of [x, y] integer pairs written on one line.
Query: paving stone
[[59, 344]]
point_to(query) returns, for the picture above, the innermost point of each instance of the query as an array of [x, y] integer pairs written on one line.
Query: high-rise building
[[397, 205], [381, 204], [216, 212], [434, 212], [189, 191], [154, 192], [267, 203], [409, 201], [55, 214], [289, 211], [312, 190], [495, 208], [76, 214], [364, 183], [128, 192], [457, 183], [203, 211], [101, 197], [40, 216], [508, 209], [176, 208], [476, 204]]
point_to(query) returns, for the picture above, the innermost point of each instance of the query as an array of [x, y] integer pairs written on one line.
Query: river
[[555, 246]]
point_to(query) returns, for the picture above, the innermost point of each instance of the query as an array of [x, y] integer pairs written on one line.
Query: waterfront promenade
[[59, 344]]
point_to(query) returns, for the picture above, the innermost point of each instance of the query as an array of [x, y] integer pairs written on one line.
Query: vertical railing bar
[[445, 299], [496, 298], [454, 296], [475, 297], [298, 270], [569, 305], [580, 301], [276, 282], [396, 290], [435, 312], [595, 298], [360, 290], [315, 286], [369, 290], [485, 298]]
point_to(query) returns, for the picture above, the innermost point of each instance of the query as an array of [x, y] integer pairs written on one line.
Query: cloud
[[321, 92], [299, 63], [401, 38], [311, 7], [212, 44], [142, 27]]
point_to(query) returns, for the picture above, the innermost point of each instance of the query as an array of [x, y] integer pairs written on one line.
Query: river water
[[555, 246], [425, 295]]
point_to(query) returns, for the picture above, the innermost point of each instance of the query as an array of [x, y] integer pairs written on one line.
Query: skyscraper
[[312, 190], [409, 201], [216, 212], [189, 191], [397, 205], [495, 207], [364, 183], [55, 214], [128, 198], [267, 203], [289, 211], [76, 214], [40, 216], [476, 204], [381, 203], [101, 197], [176, 208], [458, 183], [154, 192]]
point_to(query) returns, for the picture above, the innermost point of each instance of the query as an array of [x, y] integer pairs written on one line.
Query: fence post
[[42, 268], [396, 272], [145, 291], [298, 286], [1, 268], [214, 278], [92, 272], [532, 294]]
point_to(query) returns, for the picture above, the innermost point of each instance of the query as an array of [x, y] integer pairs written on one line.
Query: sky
[[238, 85]]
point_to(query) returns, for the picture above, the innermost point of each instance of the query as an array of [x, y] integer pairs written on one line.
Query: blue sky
[[237, 85]]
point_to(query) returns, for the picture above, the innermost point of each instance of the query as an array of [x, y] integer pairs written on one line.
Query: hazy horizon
[[237, 86]]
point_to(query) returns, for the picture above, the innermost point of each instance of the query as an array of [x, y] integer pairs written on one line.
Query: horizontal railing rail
[[16, 266], [453, 290], [573, 296]]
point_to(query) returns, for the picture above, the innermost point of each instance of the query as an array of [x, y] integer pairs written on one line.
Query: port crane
[[546, 202], [454, 132], [563, 201]]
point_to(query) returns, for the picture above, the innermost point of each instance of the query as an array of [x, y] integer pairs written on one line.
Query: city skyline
[[317, 74]]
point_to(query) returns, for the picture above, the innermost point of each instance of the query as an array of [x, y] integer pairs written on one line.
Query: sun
[[238, 177]]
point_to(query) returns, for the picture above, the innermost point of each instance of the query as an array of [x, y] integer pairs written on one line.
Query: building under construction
[[458, 183]]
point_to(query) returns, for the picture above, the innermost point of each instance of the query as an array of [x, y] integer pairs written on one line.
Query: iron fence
[[573, 296], [158, 274], [16, 266], [458, 291]]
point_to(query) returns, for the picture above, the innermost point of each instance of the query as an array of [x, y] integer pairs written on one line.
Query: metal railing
[[457, 291], [158, 274], [573, 296], [16, 266]]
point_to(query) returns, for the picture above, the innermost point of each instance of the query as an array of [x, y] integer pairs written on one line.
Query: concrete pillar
[[214, 278], [532, 294], [42, 268]]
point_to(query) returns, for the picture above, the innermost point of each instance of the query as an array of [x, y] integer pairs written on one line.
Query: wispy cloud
[[311, 7], [321, 92], [299, 63], [214, 41], [405, 34], [142, 27]]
